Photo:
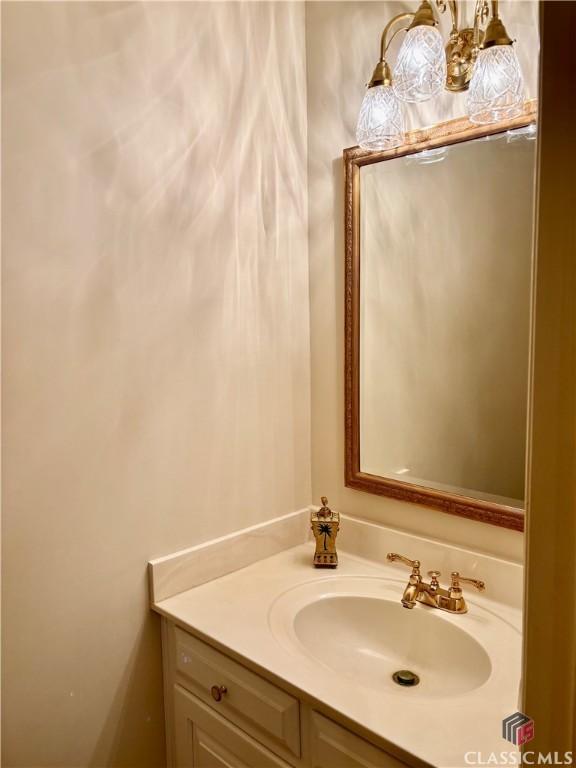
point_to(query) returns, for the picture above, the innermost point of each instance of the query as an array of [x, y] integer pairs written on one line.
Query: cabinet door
[[336, 747], [256, 706], [205, 739]]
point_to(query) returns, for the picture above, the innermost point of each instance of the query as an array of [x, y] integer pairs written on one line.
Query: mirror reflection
[[446, 242]]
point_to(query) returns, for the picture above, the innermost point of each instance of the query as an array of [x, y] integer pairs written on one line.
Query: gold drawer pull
[[218, 691]]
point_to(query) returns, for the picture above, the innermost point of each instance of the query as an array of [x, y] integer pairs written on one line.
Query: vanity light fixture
[[420, 71], [381, 120], [484, 62], [496, 89]]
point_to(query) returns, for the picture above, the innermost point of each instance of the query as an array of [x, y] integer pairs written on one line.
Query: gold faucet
[[325, 524], [432, 594]]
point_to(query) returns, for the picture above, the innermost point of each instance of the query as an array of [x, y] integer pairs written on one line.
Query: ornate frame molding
[[443, 134]]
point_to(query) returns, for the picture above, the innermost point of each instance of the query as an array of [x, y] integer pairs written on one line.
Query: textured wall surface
[[342, 49], [155, 325], [156, 351]]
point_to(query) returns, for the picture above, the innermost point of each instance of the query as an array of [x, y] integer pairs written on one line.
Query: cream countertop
[[234, 611]]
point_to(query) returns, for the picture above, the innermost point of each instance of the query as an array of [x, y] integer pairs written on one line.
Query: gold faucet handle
[[414, 564], [434, 583], [456, 579]]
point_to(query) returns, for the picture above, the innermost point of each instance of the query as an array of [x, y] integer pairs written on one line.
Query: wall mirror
[[438, 279]]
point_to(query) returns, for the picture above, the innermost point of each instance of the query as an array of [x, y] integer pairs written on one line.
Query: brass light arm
[[382, 74], [453, 5], [454, 13], [384, 42], [481, 12]]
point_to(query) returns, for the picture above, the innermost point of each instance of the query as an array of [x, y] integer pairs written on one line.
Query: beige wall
[[155, 313], [342, 48], [156, 353]]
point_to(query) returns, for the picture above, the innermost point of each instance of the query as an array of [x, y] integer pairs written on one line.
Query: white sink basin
[[368, 639], [358, 629]]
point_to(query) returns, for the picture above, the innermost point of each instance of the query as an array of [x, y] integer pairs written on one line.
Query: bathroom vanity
[[280, 664], [222, 713]]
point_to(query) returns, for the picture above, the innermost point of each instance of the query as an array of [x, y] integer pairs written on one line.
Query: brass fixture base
[[461, 54]]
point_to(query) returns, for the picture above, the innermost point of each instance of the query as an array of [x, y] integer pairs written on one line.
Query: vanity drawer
[[204, 739], [258, 707], [333, 746]]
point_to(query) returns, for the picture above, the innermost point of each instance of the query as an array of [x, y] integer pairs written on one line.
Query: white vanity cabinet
[[205, 739], [332, 746], [220, 714]]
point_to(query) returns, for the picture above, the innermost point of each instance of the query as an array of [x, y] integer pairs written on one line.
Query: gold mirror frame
[[443, 134]]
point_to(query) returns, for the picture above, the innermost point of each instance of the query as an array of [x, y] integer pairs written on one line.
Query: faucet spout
[[411, 592]]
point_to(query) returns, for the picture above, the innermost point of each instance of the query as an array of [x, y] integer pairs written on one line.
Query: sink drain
[[406, 678]]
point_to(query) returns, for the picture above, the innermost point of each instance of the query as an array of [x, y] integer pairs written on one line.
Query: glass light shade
[[381, 122], [496, 88], [420, 70]]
